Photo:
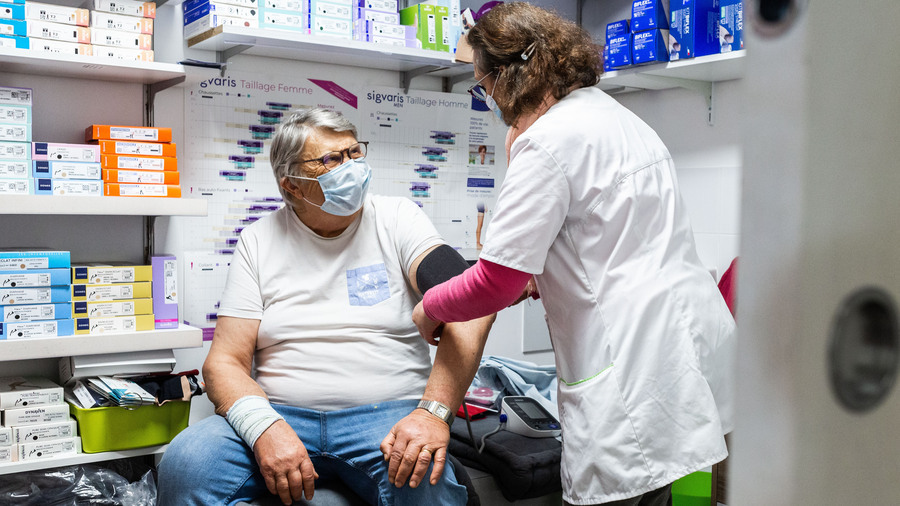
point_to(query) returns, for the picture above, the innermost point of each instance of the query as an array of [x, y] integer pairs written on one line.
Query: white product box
[[7, 453], [36, 415], [68, 152], [60, 47], [21, 391], [44, 449], [211, 21], [45, 432], [14, 113], [234, 11], [14, 169], [393, 41], [5, 438], [121, 22], [66, 170], [57, 13], [16, 186], [330, 10], [123, 53], [297, 6], [380, 5], [36, 329], [15, 132], [17, 96], [119, 38], [20, 278], [58, 31], [283, 20], [373, 15], [40, 295], [36, 312], [332, 27], [126, 7], [15, 150], [82, 187]]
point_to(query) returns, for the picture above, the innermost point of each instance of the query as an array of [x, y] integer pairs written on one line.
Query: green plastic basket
[[115, 428], [694, 489]]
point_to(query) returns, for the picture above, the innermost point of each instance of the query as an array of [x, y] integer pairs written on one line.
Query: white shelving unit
[[184, 336], [119, 206], [81, 458], [22, 61]]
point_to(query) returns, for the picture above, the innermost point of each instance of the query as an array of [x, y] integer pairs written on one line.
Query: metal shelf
[[114, 206], [80, 458], [23, 61], [184, 336]]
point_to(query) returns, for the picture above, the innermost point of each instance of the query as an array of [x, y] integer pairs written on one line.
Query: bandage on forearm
[[250, 416]]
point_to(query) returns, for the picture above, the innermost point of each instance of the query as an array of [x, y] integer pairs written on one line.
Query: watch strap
[[439, 410]]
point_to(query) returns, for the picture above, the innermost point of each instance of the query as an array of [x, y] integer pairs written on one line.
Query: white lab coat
[[642, 338]]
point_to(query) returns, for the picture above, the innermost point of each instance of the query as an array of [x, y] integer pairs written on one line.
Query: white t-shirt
[[335, 313]]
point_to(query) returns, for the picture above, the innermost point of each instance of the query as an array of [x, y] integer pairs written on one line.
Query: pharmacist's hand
[[284, 463], [430, 329]]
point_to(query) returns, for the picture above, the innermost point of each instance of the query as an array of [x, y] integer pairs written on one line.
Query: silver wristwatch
[[439, 410]]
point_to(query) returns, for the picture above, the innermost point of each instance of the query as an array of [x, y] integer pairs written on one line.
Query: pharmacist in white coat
[[590, 208]]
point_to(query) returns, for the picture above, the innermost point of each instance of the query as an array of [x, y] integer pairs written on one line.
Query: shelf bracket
[[406, 77], [149, 237], [450, 82], [704, 88], [150, 92], [223, 56]]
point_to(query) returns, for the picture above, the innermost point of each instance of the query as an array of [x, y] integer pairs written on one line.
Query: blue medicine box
[[12, 10], [694, 29], [616, 29], [33, 312], [35, 277], [34, 259], [650, 47], [14, 41], [13, 27], [731, 25], [620, 51], [36, 329], [649, 15]]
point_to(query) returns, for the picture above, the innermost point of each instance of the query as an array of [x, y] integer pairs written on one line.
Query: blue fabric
[[518, 377], [208, 463]]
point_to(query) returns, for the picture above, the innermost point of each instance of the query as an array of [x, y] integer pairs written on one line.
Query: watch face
[[441, 411]]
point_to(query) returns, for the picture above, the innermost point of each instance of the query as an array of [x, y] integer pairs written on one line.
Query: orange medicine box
[[127, 133], [138, 162], [141, 190], [140, 176], [137, 148]]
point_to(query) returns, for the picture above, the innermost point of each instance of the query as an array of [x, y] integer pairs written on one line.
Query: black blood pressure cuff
[[441, 264]]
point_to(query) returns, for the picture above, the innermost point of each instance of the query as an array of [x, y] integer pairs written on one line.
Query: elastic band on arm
[[439, 265], [250, 416]]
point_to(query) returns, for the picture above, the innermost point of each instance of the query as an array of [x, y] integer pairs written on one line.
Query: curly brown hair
[[560, 56]]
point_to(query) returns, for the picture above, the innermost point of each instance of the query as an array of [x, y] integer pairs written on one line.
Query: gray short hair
[[291, 136]]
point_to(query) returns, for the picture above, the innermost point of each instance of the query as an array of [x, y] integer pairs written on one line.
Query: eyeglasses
[[477, 90], [333, 159]]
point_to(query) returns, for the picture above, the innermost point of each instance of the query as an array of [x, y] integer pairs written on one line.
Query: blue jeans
[[209, 464]]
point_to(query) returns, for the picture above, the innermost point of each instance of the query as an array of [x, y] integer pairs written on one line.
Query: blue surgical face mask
[[492, 105], [344, 187]]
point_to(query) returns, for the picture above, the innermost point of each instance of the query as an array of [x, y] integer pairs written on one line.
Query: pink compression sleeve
[[481, 290]]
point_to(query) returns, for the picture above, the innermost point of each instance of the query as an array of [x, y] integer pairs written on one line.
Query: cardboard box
[[14, 169], [119, 38], [37, 329], [103, 309], [330, 9], [393, 41], [15, 132], [48, 169], [40, 295], [81, 187], [334, 27], [442, 14], [126, 7], [138, 162], [101, 274], [12, 11], [112, 291], [128, 133], [34, 312], [45, 432], [142, 190], [7, 453], [296, 6], [137, 148], [35, 415], [22, 391], [58, 31], [5, 439], [15, 150], [57, 13], [61, 47], [620, 51], [114, 324], [380, 5], [424, 18], [649, 15], [11, 259], [140, 176], [67, 152], [15, 114], [190, 5], [731, 25], [379, 16], [693, 29], [14, 41], [14, 27], [211, 21], [15, 96], [123, 53], [32, 278], [16, 186], [650, 47], [165, 291], [111, 364], [121, 22], [44, 449]]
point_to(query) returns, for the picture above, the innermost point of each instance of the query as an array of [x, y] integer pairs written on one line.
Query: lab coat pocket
[[601, 454]]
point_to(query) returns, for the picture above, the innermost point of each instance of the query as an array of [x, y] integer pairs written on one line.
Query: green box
[[116, 428], [694, 489], [423, 17], [442, 14]]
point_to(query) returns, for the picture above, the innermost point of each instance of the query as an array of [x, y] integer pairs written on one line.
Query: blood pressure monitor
[[527, 417]]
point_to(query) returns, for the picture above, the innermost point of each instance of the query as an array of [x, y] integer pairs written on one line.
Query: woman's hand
[[430, 329]]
